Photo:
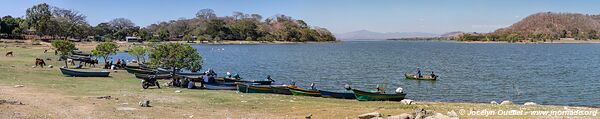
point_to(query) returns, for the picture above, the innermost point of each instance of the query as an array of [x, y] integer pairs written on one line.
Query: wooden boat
[[190, 73], [304, 92], [84, 73], [370, 96], [283, 90], [137, 67], [79, 52], [248, 88], [224, 79], [329, 94], [158, 76], [138, 71], [423, 77], [220, 86]]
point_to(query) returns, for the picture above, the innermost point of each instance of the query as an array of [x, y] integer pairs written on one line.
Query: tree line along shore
[[79, 97], [46, 22]]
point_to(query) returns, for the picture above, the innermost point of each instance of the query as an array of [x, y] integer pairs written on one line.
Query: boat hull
[[138, 71], [302, 92], [369, 96], [220, 86], [246, 88], [223, 79], [329, 94], [283, 90], [147, 76], [81, 73]]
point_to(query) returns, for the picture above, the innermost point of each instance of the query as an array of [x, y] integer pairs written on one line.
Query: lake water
[[557, 74]]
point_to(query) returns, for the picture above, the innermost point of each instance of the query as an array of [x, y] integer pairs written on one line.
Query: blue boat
[[84, 73], [220, 86], [329, 94]]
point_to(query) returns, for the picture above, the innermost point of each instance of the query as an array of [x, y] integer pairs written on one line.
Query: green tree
[[188, 38], [175, 56], [64, 48], [10, 25], [105, 49], [38, 18], [138, 52]]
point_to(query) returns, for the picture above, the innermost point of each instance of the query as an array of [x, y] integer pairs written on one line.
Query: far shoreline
[[506, 42]]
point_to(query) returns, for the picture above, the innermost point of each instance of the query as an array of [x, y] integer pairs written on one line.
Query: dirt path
[[38, 104]]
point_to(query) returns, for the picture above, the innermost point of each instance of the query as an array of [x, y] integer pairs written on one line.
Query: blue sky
[[434, 16]]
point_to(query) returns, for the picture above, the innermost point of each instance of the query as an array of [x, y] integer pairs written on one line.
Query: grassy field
[[49, 94]]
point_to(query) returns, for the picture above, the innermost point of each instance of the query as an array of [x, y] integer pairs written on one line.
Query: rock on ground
[[438, 116], [402, 116], [407, 101], [144, 103], [506, 102], [530, 103], [370, 115]]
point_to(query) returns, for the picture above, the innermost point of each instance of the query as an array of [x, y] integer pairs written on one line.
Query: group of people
[[119, 64], [419, 75]]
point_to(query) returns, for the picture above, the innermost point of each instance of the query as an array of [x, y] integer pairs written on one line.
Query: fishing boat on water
[[377, 96], [423, 77], [84, 73], [305, 92]]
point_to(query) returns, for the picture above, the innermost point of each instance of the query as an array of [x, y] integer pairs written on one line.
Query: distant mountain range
[[370, 35]]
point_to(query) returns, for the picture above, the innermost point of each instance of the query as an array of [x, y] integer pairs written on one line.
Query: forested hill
[[59, 23], [241, 26], [545, 26], [553, 23]]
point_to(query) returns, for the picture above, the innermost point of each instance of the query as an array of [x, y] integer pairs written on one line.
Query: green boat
[[303, 92], [423, 77], [248, 88], [370, 96]]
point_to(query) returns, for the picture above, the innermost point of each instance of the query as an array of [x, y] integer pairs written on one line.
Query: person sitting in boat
[[419, 72], [432, 75], [312, 86], [228, 75]]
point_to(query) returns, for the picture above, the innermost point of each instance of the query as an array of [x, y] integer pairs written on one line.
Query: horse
[[39, 62], [92, 62], [9, 53]]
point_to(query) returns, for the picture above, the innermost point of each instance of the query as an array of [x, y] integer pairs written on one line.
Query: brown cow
[[9, 53], [39, 62]]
